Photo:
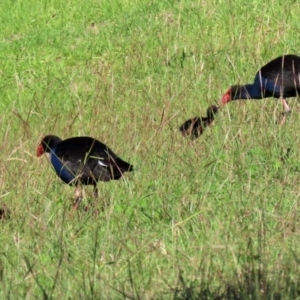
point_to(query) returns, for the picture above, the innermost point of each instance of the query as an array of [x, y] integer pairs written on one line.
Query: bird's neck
[[247, 91], [60, 169]]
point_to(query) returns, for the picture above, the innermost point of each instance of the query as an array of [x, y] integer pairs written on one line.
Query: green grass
[[216, 218]]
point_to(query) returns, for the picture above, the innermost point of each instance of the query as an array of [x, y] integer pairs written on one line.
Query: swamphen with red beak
[[82, 160], [194, 127], [280, 78]]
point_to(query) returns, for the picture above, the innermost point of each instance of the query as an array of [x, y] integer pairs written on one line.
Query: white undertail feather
[[102, 164]]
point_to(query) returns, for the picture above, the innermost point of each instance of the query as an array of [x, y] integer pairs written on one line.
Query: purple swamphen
[[194, 127], [82, 160], [280, 78]]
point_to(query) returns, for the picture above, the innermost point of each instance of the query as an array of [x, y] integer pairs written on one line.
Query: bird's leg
[[78, 195], [96, 210], [286, 108], [286, 111], [95, 191]]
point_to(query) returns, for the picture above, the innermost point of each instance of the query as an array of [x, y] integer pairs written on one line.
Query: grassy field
[[217, 218]]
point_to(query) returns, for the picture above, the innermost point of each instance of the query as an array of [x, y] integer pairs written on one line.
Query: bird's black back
[[284, 71], [91, 159], [193, 128]]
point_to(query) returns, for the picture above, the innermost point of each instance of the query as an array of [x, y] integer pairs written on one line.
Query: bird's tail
[[119, 168], [124, 166]]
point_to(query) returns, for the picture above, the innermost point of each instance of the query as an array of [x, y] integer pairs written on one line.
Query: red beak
[[40, 150], [226, 97]]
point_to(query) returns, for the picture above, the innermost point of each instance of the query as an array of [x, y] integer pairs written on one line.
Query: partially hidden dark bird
[[4, 213], [194, 127], [82, 161], [280, 78]]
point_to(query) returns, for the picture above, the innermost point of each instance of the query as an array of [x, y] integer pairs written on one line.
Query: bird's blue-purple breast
[[268, 86], [61, 170]]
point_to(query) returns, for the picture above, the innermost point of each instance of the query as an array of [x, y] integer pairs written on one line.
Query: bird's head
[[48, 143], [237, 92], [212, 111]]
